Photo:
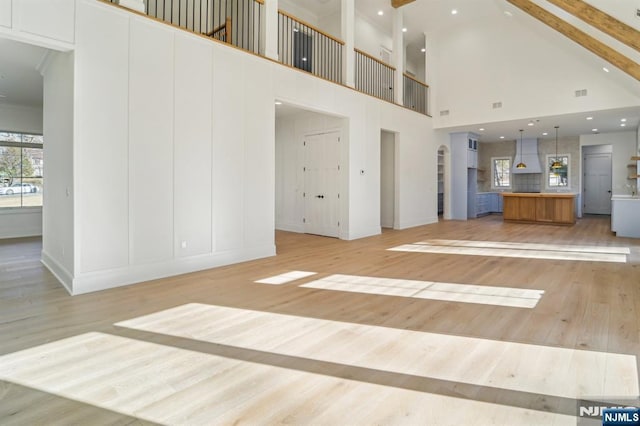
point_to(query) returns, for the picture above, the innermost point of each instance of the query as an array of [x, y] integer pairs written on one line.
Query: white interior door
[[597, 183], [321, 184]]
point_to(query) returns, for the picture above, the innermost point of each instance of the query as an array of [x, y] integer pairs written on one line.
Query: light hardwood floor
[[214, 347]]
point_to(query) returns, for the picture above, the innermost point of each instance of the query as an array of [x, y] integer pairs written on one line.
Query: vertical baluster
[[369, 77], [234, 22], [245, 25], [366, 76], [290, 44]]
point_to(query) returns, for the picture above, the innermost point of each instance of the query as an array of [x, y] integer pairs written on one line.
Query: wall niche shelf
[[481, 176], [634, 168]]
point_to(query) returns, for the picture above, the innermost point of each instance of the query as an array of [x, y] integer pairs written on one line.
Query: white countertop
[[625, 197]]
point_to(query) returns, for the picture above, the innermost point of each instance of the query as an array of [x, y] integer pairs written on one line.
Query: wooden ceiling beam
[[585, 40], [398, 3], [606, 23]]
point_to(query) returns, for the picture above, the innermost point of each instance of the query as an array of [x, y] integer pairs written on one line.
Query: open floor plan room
[[478, 322]]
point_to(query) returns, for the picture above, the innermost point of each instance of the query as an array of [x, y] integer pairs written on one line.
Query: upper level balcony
[[250, 25]]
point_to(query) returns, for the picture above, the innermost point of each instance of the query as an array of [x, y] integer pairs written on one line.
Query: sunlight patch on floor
[[169, 385], [519, 250], [287, 277], [464, 293], [528, 246], [522, 367]]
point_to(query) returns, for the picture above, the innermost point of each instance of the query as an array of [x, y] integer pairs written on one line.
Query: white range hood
[[528, 151]]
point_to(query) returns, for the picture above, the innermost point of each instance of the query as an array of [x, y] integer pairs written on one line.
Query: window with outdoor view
[[21, 168], [558, 177], [501, 172]]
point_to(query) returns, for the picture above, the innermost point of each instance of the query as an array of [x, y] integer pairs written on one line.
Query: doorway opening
[[442, 176], [309, 187], [387, 179]]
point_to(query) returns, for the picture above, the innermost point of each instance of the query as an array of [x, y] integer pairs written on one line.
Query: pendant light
[[557, 164], [521, 165]]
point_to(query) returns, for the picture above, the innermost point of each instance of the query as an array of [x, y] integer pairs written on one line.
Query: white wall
[[534, 72], [191, 163], [624, 147], [289, 178], [45, 23], [22, 222], [58, 214], [332, 24], [195, 162], [17, 118], [369, 37], [299, 12], [5, 13]]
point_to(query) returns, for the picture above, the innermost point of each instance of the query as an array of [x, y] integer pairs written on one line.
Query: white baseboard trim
[[25, 234], [417, 222], [60, 272], [103, 280], [363, 233], [290, 227]]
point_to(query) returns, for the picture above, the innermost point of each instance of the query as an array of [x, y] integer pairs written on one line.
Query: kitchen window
[[501, 172], [21, 170], [558, 178]]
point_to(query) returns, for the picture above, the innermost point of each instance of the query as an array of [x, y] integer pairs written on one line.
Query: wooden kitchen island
[[548, 208]]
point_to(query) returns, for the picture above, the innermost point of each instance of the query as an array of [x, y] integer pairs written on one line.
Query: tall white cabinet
[[464, 174]]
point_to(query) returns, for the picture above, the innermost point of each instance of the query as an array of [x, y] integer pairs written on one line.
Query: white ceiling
[[607, 121], [20, 82]]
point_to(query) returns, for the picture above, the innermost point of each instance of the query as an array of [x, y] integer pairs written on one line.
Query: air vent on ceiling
[[580, 93], [444, 112], [497, 105]]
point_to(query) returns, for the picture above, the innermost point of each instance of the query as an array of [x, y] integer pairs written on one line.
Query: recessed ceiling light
[[501, 137], [530, 123], [454, 11], [278, 103], [423, 50], [481, 129], [380, 13], [404, 30], [589, 118], [594, 130], [545, 134], [622, 124], [623, 119], [605, 69]]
